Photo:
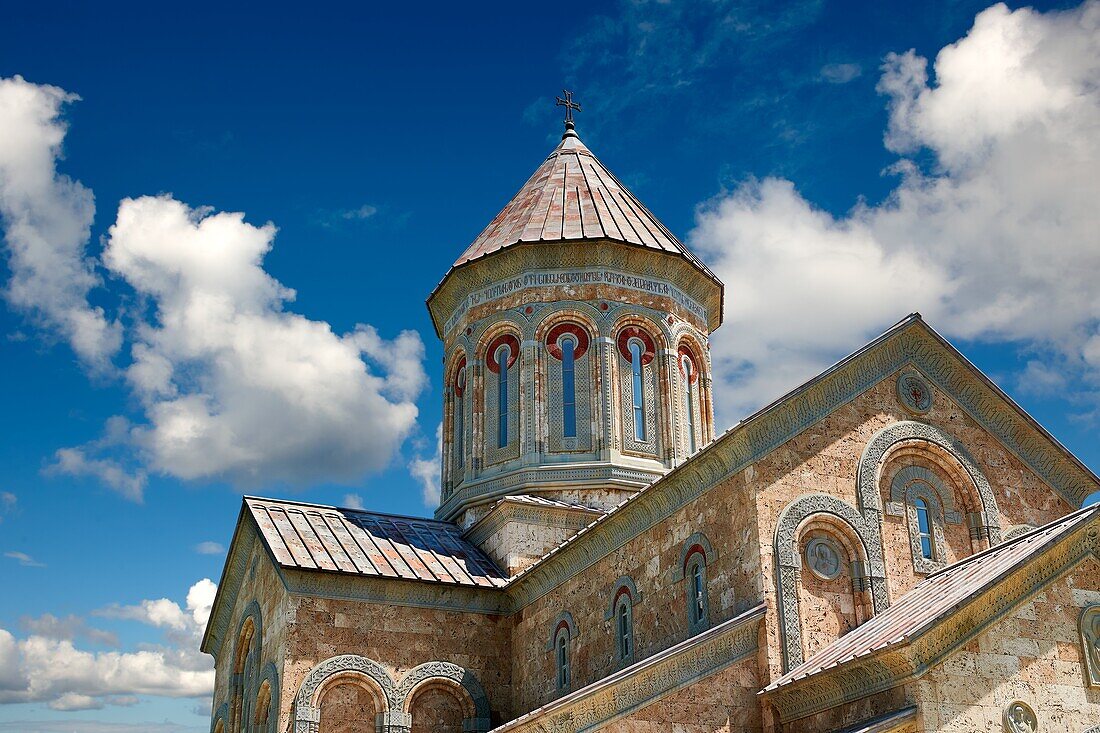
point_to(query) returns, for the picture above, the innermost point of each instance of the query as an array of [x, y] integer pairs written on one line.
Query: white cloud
[[353, 501], [47, 219], [428, 470], [210, 548], [8, 502], [68, 627], [235, 387], [840, 73], [24, 559], [47, 667], [365, 211], [77, 462], [232, 386], [998, 241], [200, 599]]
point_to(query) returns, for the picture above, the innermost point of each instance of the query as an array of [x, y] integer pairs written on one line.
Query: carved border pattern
[[307, 716], [447, 671], [896, 506], [871, 462], [866, 527]]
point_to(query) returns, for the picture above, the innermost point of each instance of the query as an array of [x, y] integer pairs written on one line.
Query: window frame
[[697, 595]]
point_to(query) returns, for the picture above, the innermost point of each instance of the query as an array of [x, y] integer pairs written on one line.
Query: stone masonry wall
[[399, 638], [660, 618]]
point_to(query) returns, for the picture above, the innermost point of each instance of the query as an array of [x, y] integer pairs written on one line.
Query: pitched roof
[[936, 597], [354, 542], [572, 196]]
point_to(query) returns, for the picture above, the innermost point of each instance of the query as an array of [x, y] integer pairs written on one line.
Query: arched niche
[[347, 669], [864, 529], [452, 679], [939, 446]]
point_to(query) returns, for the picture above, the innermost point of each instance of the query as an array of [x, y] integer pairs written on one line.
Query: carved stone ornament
[[1089, 627], [915, 393], [1020, 718], [823, 558]]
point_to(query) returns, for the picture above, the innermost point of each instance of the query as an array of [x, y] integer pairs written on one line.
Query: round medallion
[[823, 558], [1020, 718], [915, 393]]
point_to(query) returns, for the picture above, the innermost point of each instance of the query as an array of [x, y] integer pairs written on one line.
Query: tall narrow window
[[460, 417], [626, 632], [563, 659], [569, 388], [636, 348], [925, 526], [689, 400], [504, 354], [697, 594]]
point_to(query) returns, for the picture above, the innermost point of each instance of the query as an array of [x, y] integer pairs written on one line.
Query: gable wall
[[261, 584], [660, 618], [825, 459]]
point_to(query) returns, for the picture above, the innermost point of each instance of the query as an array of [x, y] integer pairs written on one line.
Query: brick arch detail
[[864, 526], [220, 716], [307, 711]]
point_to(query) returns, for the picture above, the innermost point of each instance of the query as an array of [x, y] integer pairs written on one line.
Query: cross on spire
[[569, 105]]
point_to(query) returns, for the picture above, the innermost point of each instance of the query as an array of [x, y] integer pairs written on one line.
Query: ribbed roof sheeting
[[572, 196], [318, 537], [937, 596]]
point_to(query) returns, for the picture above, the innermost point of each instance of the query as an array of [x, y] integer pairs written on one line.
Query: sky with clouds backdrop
[[220, 225]]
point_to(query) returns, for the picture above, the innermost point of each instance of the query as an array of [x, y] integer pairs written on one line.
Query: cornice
[[395, 592], [560, 517], [229, 587], [645, 682], [911, 658], [528, 256]]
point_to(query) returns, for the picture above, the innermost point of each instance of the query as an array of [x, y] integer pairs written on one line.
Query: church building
[[894, 546]]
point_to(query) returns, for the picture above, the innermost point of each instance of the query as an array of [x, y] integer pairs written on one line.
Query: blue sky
[[806, 151]]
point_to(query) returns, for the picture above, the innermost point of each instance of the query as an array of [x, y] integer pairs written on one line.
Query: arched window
[[697, 593], [687, 368], [569, 387], [637, 348], [503, 356], [561, 652], [924, 524], [640, 396], [624, 627], [460, 420]]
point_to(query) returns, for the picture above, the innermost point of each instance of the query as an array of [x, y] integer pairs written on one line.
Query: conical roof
[[573, 196]]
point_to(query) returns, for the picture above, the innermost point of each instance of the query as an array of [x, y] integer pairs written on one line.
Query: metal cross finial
[[569, 105]]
